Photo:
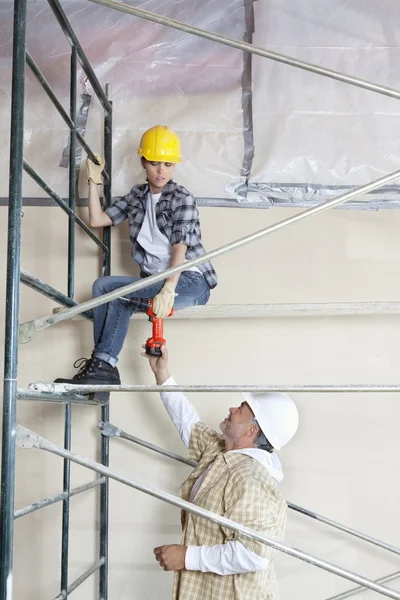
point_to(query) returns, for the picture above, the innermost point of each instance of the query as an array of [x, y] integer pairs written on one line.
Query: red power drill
[[154, 343]]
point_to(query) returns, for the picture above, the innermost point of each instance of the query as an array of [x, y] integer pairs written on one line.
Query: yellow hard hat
[[160, 144]]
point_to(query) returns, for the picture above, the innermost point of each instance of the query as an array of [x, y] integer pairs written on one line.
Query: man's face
[[238, 423], [158, 174]]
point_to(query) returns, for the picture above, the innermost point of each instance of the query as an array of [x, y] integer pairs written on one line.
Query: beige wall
[[344, 460]]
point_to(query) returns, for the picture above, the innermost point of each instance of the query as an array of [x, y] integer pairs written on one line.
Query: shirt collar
[[268, 460], [167, 189]]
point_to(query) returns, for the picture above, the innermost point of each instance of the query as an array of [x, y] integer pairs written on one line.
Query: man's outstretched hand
[[171, 557], [159, 365]]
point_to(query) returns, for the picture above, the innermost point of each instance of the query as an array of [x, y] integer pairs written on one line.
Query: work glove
[[94, 171], [164, 301]]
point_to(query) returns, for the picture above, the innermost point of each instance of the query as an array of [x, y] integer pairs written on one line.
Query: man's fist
[[94, 171], [158, 364], [171, 557]]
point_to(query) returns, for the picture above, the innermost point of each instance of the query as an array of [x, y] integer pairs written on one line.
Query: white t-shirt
[[155, 244]]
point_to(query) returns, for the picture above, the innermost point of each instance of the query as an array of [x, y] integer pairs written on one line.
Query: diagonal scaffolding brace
[[246, 47], [110, 430], [29, 439], [29, 330], [359, 589]]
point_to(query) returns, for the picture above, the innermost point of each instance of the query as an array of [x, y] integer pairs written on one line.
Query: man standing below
[[164, 230], [236, 477]]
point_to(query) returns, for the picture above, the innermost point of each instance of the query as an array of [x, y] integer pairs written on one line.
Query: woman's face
[[158, 174]]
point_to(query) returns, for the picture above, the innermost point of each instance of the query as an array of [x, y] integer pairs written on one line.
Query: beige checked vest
[[239, 488]]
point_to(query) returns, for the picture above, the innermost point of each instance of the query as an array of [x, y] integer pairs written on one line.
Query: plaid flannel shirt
[[177, 218], [239, 488]]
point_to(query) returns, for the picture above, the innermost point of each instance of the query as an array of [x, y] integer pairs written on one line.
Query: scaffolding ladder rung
[[30, 508], [61, 398], [65, 593]]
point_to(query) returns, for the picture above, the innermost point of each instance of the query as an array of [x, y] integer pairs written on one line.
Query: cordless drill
[[154, 343]]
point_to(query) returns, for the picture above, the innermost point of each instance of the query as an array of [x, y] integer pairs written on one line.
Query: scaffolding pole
[[29, 439], [246, 47], [359, 589], [110, 430], [74, 42], [47, 290], [105, 409], [68, 398], [14, 276], [27, 510], [69, 120], [45, 186], [65, 388], [12, 301], [81, 579], [28, 330]]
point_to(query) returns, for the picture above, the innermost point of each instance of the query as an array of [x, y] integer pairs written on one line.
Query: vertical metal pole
[[108, 184], [72, 175], [12, 302], [70, 293], [104, 495], [105, 410], [247, 100], [65, 505]]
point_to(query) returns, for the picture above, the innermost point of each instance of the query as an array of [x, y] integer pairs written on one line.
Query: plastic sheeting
[[158, 76], [314, 130], [313, 136]]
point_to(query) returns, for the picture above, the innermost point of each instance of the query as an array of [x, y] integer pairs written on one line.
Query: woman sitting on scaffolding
[[164, 229]]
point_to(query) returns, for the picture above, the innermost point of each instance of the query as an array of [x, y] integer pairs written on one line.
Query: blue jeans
[[111, 321]]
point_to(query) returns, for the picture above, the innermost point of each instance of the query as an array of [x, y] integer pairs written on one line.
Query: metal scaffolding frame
[[29, 439], [100, 396], [14, 275]]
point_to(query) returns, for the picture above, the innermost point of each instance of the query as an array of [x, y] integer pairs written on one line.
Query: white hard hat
[[276, 414]]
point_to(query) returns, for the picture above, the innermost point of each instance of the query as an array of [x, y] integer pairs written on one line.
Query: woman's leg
[[111, 325], [192, 290], [110, 328], [102, 286]]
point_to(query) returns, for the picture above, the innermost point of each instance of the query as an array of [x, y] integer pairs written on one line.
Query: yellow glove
[[164, 301], [94, 171]]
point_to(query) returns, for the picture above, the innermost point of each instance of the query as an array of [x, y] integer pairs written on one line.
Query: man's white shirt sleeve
[[181, 412], [224, 559]]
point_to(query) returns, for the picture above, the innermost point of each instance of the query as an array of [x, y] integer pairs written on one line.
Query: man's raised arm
[[180, 410]]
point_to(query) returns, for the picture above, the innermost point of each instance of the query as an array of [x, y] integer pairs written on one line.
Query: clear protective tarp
[[313, 130], [313, 137]]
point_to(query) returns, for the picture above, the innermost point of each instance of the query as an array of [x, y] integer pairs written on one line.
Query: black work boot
[[93, 371]]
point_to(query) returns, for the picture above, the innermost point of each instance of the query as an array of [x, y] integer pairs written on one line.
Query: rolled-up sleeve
[[185, 222], [119, 210], [224, 559]]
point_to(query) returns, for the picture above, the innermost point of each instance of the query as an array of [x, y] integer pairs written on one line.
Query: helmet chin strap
[[264, 444]]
